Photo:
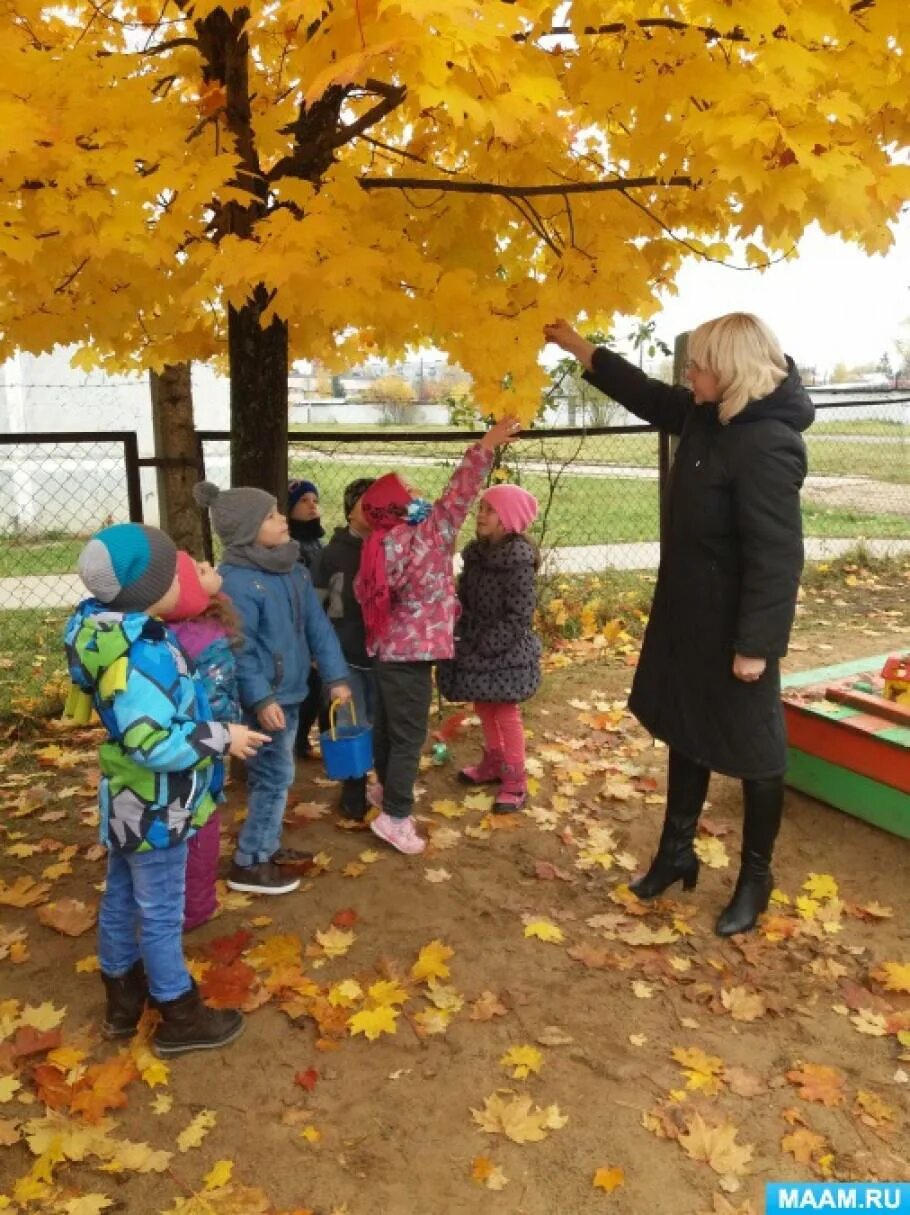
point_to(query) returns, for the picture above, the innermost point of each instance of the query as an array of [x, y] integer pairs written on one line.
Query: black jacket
[[729, 572], [333, 577], [497, 655], [309, 536]]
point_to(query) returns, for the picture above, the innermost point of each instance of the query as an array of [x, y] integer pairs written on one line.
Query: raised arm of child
[[450, 510]]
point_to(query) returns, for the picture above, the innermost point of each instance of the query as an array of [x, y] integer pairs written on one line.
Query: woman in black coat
[[708, 680]]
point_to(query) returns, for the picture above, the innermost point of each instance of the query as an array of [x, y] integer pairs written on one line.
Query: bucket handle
[[333, 709]]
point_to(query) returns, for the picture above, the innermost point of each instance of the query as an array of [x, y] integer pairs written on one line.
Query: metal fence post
[[133, 483]]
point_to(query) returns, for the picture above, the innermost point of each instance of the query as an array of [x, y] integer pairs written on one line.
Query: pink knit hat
[[193, 598], [516, 508]]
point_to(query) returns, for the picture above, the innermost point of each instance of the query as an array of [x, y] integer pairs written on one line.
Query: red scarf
[[384, 505]]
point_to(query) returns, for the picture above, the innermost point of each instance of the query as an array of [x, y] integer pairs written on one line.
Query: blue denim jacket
[[285, 631]]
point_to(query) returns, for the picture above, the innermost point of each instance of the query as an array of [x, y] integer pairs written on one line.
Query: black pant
[[311, 710], [404, 692]]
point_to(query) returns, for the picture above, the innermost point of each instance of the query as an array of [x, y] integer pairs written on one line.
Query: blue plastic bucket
[[347, 751]]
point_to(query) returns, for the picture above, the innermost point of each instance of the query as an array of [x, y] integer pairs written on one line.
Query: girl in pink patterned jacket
[[406, 588]]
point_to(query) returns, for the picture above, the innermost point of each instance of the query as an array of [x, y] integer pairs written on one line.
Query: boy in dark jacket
[[305, 526], [334, 578], [284, 630]]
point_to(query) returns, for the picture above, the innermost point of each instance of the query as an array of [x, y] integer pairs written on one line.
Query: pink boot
[[513, 792], [487, 772], [399, 832]]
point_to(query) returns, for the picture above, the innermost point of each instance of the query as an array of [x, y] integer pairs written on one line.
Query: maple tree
[[273, 179]]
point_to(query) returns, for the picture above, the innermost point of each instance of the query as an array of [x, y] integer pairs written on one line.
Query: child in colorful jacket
[[206, 625], [284, 631], [161, 775], [406, 588]]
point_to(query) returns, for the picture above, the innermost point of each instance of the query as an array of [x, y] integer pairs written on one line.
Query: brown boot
[[126, 997], [188, 1024]]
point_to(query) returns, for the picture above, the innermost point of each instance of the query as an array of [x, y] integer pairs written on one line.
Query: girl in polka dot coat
[[497, 655]]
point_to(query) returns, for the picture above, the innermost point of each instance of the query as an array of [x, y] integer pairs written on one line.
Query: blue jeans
[[141, 916], [270, 774]]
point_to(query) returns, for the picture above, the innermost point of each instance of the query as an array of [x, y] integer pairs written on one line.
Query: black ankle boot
[[763, 805], [126, 997], [188, 1024], [675, 861]]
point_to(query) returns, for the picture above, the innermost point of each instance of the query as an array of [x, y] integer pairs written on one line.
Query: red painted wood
[[858, 751]]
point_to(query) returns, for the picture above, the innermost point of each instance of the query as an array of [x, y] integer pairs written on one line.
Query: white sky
[[834, 304]]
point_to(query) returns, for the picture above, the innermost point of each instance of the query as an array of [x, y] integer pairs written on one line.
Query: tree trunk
[[175, 444], [259, 397]]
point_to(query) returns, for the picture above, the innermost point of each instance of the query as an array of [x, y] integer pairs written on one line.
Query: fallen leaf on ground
[[487, 1006], [193, 1134], [72, 917], [803, 1144], [893, 976], [371, 1022], [518, 1118], [703, 1072], [523, 1060], [484, 1171], [816, 1082], [742, 1004], [608, 1179], [711, 851], [431, 961], [544, 930], [716, 1146], [335, 942]]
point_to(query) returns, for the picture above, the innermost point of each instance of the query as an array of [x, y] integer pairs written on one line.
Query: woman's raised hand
[[561, 333], [506, 430]]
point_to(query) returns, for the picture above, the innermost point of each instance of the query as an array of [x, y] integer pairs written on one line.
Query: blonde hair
[[743, 355]]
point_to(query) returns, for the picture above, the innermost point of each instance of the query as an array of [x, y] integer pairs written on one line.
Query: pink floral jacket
[[419, 567]]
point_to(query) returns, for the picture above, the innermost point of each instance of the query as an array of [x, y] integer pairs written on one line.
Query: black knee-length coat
[[730, 567], [497, 654]]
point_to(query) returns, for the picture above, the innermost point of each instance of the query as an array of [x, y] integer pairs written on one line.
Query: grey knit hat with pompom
[[237, 514]]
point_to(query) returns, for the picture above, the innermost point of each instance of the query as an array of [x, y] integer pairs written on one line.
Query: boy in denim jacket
[[284, 631]]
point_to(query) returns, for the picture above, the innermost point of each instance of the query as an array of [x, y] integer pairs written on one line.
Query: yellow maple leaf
[[193, 1134], [716, 1146], [162, 1104], [544, 930], [345, 994], [335, 942], [894, 976], [432, 1021], [711, 852], [820, 886], [9, 1086], [311, 1133], [608, 1179], [88, 965], [523, 1060], [86, 1204], [371, 1022], [218, 1175], [703, 1072], [449, 809], [281, 949], [386, 991], [42, 1016], [431, 961], [518, 1118]]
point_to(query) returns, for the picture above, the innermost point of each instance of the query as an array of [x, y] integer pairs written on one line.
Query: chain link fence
[[599, 491]]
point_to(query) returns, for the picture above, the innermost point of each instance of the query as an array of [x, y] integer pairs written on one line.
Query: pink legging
[[502, 730]]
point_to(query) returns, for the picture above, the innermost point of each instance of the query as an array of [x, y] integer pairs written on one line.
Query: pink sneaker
[[374, 795], [399, 832]]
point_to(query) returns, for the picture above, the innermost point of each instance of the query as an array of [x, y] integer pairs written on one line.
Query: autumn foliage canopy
[[376, 173]]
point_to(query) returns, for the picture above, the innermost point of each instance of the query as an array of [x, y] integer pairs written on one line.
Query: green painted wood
[[802, 679], [882, 805], [896, 734]]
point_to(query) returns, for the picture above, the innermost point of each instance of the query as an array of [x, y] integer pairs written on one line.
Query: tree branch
[[170, 45], [491, 187], [392, 97]]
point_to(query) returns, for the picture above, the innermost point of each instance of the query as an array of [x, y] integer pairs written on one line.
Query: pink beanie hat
[[193, 599], [516, 508]]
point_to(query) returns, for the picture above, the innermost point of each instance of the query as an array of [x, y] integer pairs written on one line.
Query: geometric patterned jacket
[[161, 767]]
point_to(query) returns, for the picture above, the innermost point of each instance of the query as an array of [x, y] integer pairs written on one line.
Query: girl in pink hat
[[497, 655], [204, 622]]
